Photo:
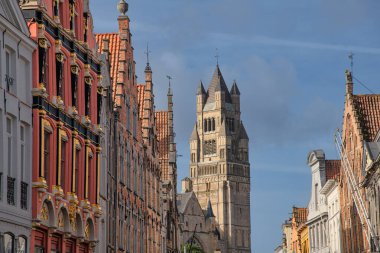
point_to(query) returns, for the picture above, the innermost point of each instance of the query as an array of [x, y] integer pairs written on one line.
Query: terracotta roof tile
[[140, 98], [300, 214], [162, 125], [368, 109], [114, 48], [332, 169]]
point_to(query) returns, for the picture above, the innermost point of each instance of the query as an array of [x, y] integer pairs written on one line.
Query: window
[[9, 71], [22, 151], [22, 245], [63, 164], [9, 134], [316, 196], [24, 196], [9, 246], [77, 154], [46, 154]]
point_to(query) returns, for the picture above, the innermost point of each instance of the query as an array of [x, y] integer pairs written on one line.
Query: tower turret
[[235, 96], [201, 97]]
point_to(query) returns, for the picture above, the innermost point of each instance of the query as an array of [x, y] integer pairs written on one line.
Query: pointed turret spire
[[209, 213], [201, 89], [234, 89], [147, 68], [218, 84], [194, 135]]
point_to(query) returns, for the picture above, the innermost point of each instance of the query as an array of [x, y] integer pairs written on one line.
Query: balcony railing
[[11, 191], [24, 196]]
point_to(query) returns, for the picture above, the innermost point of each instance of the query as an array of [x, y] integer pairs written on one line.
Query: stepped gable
[[367, 108], [217, 84], [332, 169], [140, 98]]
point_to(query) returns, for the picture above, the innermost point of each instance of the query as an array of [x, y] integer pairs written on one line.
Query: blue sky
[[288, 58]]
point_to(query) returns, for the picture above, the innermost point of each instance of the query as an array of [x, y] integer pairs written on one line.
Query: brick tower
[[219, 165]]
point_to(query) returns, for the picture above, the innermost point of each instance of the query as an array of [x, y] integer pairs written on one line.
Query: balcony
[[24, 196], [11, 190]]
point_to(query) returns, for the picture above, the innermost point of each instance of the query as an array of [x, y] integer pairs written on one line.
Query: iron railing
[[11, 190]]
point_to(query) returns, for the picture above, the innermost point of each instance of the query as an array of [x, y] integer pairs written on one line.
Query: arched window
[[9, 241], [205, 125], [22, 245]]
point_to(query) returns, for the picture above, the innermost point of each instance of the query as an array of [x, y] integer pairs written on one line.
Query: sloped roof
[[183, 200], [300, 214], [332, 169], [243, 133], [217, 84], [368, 109], [140, 99], [162, 126], [10, 10]]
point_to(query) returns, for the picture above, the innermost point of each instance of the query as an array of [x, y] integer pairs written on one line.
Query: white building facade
[[322, 171], [16, 51], [331, 192]]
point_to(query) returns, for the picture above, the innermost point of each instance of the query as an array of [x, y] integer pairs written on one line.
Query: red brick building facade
[[361, 123], [126, 212], [66, 73]]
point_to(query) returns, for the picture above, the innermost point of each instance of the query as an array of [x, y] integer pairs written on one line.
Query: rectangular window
[[46, 154], [24, 196], [11, 190], [77, 153], [9, 144], [22, 152], [63, 163]]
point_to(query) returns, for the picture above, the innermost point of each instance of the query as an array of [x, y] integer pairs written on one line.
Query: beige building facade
[[219, 165]]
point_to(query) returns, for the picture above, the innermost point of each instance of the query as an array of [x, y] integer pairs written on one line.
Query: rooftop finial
[[217, 57], [147, 53], [122, 7], [169, 78], [351, 57]]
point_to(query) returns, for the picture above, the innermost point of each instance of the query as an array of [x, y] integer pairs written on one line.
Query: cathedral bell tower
[[219, 162]]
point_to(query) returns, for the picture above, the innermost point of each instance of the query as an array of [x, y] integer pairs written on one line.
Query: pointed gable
[[217, 84], [10, 10]]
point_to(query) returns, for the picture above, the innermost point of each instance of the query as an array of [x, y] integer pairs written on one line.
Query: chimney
[[105, 49]]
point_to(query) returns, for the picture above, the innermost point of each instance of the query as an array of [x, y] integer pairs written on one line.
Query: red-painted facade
[[66, 73]]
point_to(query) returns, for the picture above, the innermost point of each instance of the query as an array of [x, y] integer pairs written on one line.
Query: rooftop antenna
[[217, 57], [169, 78], [147, 53], [351, 57]]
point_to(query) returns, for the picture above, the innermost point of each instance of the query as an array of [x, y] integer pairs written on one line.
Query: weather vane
[[147, 53], [170, 78], [217, 57], [351, 57]]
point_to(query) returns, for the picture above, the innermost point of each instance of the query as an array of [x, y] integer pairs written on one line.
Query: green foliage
[[195, 249]]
